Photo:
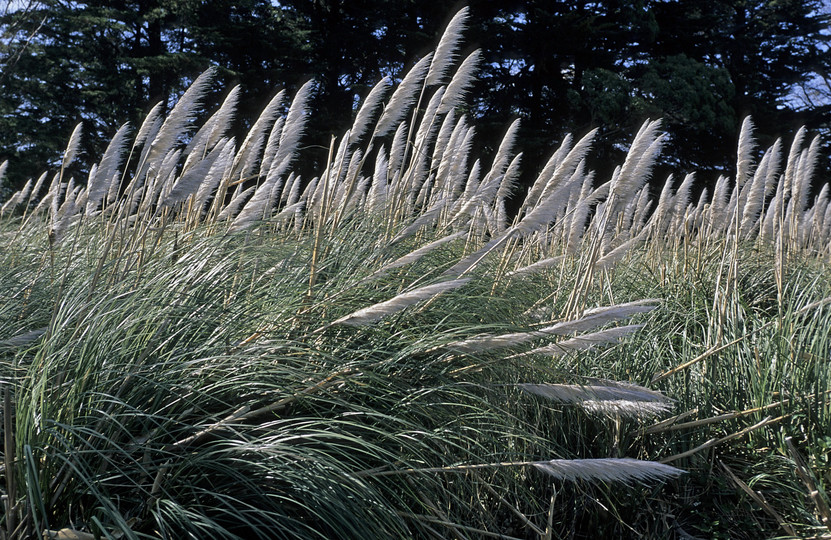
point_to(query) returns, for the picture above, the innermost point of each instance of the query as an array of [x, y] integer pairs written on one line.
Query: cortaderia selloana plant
[[197, 342]]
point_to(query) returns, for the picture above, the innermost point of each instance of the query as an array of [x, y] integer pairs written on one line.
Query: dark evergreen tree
[[564, 66]]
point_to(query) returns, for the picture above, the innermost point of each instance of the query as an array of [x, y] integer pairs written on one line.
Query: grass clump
[[199, 343]]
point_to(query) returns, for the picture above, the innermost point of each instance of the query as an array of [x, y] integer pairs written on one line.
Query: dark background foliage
[[564, 66]]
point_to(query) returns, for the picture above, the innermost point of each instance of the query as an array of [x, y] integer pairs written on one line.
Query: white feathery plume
[[493, 228], [508, 183], [745, 153], [63, 218], [551, 165], [295, 195], [358, 197], [414, 256], [537, 266], [639, 160], [271, 145], [612, 257], [699, 212], [295, 123], [166, 169], [588, 341], [396, 155], [17, 198], [189, 183], [445, 157], [33, 193], [681, 200], [99, 183], [428, 126], [826, 226], [220, 168], [398, 303], [471, 183], [660, 218], [445, 53], [237, 200], [442, 145], [545, 211], [249, 150], [288, 212], [309, 191], [644, 169], [501, 216], [367, 110], [577, 190], [46, 202], [605, 397], [818, 212], [352, 173], [3, 168], [292, 189], [258, 205], [148, 127], [793, 158], [503, 153], [27, 190], [113, 187], [642, 208], [458, 173], [565, 169], [213, 130], [221, 120], [772, 170], [624, 470], [72, 146], [166, 186], [277, 168], [682, 196], [70, 188], [428, 217], [623, 407], [595, 317], [177, 120], [403, 97], [491, 343], [461, 81], [138, 177], [580, 213], [769, 223], [466, 263], [481, 194], [602, 390], [755, 192], [378, 189], [37, 187], [718, 208], [425, 191], [82, 196], [278, 192], [56, 190], [803, 175]]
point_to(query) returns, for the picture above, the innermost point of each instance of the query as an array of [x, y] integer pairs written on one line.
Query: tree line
[[560, 66]]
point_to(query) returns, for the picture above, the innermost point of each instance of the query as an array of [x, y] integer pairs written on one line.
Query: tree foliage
[[560, 67]]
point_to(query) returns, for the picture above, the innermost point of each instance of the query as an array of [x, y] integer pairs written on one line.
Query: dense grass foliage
[[197, 343]]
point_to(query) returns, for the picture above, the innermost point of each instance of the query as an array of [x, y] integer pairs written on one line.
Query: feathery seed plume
[[625, 470], [370, 314], [72, 146], [403, 97], [445, 53]]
